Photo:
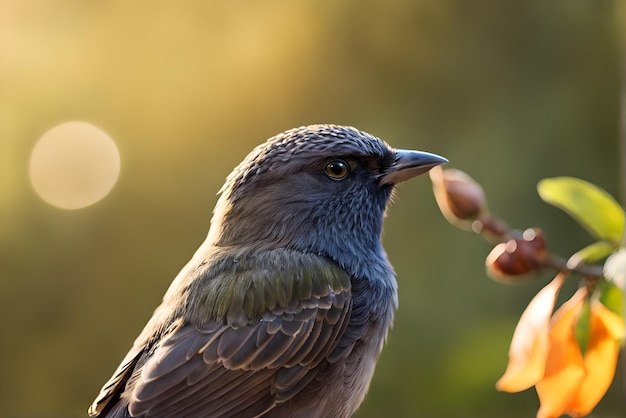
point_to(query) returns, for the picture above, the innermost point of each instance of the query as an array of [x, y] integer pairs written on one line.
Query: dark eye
[[337, 169]]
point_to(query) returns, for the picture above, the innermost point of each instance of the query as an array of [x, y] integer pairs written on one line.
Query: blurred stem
[[588, 271], [495, 229]]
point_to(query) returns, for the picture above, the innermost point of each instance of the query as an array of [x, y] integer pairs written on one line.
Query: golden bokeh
[[74, 165]]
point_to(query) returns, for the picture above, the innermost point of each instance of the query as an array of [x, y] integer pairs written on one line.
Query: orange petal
[[613, 322], [565, 369], [600, 359], [529, 346]]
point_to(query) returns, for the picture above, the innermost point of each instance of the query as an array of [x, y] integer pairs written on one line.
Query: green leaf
[[582, 327], [612, 288], [591, 206], [611, 296], [591, 253]]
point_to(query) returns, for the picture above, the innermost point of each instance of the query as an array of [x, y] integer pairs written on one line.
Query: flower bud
[[517, 256], [460, 198]]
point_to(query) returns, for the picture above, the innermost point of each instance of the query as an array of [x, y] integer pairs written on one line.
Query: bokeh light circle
[[74, 165]]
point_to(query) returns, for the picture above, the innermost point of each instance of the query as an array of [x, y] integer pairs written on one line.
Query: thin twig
[[588, 271]]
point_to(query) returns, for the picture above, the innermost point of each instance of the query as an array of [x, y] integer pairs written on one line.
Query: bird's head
[[321, 189]]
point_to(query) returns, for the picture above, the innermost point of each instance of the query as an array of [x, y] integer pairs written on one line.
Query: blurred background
[[510, 92]]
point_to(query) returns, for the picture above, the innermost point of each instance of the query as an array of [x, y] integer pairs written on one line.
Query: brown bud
[[460, 198], [517, 256]]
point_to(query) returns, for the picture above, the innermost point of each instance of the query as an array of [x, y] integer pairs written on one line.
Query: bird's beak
[[409, 164]]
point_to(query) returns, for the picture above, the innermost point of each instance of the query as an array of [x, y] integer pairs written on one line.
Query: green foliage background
[[510, 92]]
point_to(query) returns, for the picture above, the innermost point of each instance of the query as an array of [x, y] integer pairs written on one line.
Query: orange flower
[[567, 380], [530, 343], [606, 335], [565, 367]]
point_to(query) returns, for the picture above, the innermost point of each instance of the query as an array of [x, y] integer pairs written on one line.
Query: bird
[[285, 307]]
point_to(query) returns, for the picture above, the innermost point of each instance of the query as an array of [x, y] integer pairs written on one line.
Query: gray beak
[[409, 164]]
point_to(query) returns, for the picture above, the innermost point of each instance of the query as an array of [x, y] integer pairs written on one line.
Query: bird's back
[[311, 352], [340, 387]]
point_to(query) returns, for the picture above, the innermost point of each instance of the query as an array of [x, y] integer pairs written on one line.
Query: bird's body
[[284, 309]]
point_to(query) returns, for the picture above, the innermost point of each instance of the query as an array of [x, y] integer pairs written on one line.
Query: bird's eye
[[337, 169]]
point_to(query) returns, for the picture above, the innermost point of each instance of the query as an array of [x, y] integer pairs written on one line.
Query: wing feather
[[267, 362], [235, 365]]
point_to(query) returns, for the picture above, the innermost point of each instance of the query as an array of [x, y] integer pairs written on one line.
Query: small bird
[[284, 309]]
